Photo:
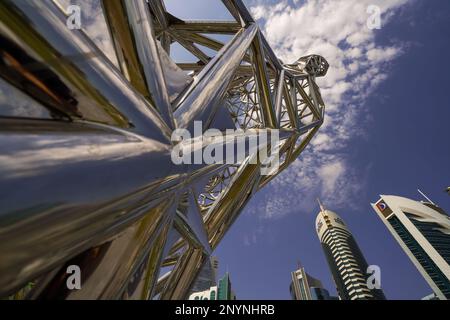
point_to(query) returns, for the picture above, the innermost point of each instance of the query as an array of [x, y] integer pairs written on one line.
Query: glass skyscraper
[[346, 261], [305, 287], [207, 277], [222, 291], [423, 231]]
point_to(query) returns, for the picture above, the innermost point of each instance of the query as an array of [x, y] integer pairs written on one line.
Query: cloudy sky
[[337, 30], [386, 132]]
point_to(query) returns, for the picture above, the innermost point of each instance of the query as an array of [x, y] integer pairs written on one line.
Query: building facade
[[207, 277], [423, 231], [432, 296], [346, 261], [305, 287], [222, 291]]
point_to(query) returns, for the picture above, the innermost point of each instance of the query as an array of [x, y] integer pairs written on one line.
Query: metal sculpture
[[86, 176]]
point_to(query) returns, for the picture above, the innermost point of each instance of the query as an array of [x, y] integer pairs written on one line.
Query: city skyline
[[303, 284], [395, 274]]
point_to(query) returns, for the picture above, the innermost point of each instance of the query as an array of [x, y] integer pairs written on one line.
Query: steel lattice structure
[[86, 176]]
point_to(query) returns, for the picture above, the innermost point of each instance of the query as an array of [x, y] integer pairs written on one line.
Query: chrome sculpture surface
[[86, 176]]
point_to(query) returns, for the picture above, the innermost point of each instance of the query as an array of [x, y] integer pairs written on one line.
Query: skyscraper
[[423, 231], [222, 291], [207, 276], [346, 262], [305, 287]]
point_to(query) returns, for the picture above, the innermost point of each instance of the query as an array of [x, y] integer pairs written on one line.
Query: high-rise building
[[305, 287], [207, 277], [423, 231], [222, 291], [345, 259], [432, 296]]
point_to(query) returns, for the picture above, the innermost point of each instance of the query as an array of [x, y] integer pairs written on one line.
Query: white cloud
[[337, 30], [329, 173], [94, 24], [252, 237]]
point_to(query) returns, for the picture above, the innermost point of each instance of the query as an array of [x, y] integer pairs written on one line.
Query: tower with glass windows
[[305, 287], [346, 261], [222, 291], [423, 231]]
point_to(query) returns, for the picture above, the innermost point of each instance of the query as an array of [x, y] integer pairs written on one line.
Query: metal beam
[[208, 42], [78, 66], [233, 11], [191, 47], [73, 179], [237, 7], [105, 276], [307, 100], [279, 96], [200, 100], [183, 275], [159, 10], [262, 81], [217, 27], [133, 36]]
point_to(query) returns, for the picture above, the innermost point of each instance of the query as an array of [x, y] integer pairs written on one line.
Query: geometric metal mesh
[[86, 176]]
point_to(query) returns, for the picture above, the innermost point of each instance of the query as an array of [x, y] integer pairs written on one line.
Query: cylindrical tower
[[346, 261]]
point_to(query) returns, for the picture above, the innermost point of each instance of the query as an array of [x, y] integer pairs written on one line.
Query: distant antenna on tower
[[322, 208], [299, 264], [423, 195]]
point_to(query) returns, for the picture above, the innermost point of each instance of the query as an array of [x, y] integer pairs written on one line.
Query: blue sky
[[387, 133]]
